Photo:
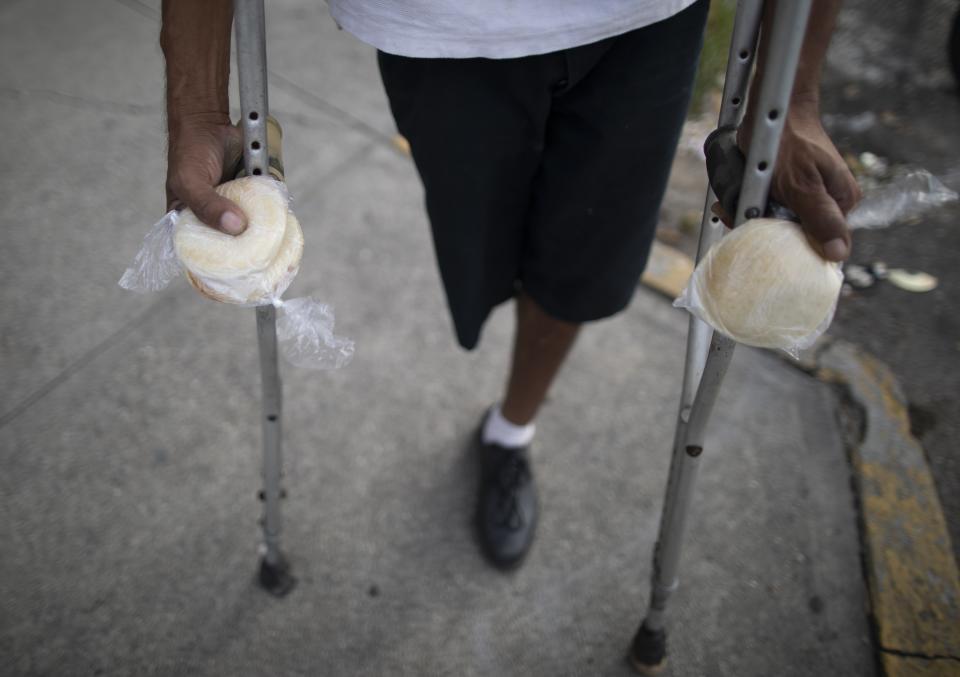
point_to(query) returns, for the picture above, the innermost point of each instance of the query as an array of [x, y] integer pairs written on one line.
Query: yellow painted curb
[[911, 572], [668, 270], [401, 144], [903, 666]]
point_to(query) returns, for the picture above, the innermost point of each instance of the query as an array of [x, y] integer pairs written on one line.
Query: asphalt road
[[890, 59]]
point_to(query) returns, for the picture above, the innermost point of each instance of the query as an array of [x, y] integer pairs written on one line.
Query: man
[[544, 134]]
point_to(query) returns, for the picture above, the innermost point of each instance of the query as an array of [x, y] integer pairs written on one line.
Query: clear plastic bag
[[906, 196], [304, 325], [305, 334], [156, 264], [762, 285], [254, 267]]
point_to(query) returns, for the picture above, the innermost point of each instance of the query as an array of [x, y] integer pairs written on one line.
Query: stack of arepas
[[254, 267], [764, 285]]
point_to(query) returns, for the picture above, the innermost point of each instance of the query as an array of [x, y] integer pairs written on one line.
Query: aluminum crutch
[[274, 574], [707, 358]]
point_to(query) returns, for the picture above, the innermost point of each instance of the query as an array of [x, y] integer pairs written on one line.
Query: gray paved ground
[[129, 434]]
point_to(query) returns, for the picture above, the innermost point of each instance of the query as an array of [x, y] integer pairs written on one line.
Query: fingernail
[[231, 223], [835, 249]]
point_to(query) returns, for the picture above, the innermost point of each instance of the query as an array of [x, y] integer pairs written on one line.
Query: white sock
[[500, 431]]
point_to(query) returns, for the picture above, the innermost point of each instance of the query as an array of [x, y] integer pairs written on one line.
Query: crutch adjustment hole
[[751, 213], [762, 166], [693, 451], [255, 145], [271, 417], [254, 115], [715, 219], [735, 101], [773, 114], [744, 54], [257, 172]]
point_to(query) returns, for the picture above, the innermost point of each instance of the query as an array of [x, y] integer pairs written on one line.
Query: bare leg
[[541, 344]]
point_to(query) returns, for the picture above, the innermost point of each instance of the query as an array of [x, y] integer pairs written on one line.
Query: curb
[[912, 576]]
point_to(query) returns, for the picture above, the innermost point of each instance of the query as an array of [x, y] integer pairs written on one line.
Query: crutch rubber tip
[[276, 578], [648, 652]]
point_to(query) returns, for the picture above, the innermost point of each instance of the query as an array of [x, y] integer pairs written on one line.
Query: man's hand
[[812, 179], [203, 147]]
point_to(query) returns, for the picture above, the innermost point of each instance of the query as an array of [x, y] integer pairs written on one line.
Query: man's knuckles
[[847, 198], [844, 189]]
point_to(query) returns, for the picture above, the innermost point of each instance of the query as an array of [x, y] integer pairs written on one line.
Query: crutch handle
[[725, 167]]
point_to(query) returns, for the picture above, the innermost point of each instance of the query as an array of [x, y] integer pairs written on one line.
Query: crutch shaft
[[271, 408], [250, 24], [250, 28], [683, 467], [705, 369]]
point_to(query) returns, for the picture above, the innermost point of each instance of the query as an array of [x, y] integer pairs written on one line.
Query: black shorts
[[545, 173]]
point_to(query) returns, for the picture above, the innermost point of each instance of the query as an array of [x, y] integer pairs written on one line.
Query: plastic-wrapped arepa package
[[764, 285], [250, 269]]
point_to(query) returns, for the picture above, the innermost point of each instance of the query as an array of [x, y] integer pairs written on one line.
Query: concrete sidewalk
[[129, 433]]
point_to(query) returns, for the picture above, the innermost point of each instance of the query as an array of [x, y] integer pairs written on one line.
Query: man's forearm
[[195, 38], [810, 177], [806, 87]]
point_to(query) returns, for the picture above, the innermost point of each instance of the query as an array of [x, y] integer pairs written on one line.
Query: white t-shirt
[[496, 29]]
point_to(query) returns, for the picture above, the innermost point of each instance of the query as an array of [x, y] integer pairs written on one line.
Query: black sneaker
[[506, 515]]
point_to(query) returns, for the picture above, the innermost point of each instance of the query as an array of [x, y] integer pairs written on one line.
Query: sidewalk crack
[[140, 8], [82, 101], [86, 358], [920, 655], [122, 107], [313, 100]]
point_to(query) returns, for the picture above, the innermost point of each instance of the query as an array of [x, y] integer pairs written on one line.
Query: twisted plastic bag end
[[156, 263], [306, 338], [906, 196]]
